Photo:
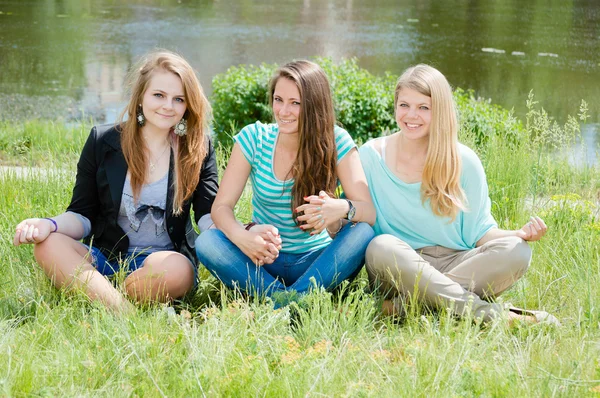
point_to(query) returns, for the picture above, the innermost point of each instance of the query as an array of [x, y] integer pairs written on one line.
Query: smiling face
[[413, 113], [286, 106], [163, 102]]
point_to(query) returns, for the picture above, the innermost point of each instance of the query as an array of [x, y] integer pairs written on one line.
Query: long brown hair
[[190, 149], [314, 168], [441, 175]]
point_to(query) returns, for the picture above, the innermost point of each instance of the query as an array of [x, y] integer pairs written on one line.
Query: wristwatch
[[351, 211]]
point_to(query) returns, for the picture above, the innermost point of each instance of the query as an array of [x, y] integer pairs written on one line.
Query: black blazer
[[101, 173]]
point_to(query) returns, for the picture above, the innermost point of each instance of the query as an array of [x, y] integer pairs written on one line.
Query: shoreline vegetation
[[216, 342]]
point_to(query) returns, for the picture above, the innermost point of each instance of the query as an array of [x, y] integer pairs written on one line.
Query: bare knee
[[54, 250], [163, 276], [43, 250]]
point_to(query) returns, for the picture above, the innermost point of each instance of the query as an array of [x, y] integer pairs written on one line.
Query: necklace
[[152, 165]]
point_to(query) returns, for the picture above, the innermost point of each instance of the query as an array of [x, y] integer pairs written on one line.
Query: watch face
[[351, 211]]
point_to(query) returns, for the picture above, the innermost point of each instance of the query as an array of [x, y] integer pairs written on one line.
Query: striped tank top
[[271, 197]]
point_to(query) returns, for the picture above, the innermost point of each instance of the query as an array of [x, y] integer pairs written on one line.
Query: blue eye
[[158, 95], [179, 100], [424, 108], [403, 105]]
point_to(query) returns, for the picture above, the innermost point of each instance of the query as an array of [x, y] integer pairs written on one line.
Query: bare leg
[[68, 264], [164, 276]]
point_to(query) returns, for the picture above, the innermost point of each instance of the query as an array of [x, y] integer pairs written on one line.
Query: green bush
[[480, 120], [240, 98], [364, 103]]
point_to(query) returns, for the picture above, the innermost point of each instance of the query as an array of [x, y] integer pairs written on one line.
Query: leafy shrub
[[240, 98], [364, 103], [480, 120]]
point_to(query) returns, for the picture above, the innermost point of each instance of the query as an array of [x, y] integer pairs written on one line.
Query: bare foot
[[393, 307], [514, 318], [387, 308]]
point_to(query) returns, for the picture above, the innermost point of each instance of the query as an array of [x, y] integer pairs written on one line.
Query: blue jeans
[[329, 266]]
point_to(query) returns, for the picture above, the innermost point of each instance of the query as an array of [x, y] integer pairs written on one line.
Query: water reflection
[[64, 58]]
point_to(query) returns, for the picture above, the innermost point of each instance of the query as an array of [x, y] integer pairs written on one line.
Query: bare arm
[[253, 244], [534, 230], [322, 211], [231, 188], [353, 179]]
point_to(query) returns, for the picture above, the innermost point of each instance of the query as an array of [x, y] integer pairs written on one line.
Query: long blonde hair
[[441, 175], [315, 166], [190, 149]]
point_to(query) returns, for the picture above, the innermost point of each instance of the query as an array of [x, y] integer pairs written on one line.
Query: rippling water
[[68, 58]]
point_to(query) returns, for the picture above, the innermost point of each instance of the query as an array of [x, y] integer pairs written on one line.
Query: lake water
[[68, 58]]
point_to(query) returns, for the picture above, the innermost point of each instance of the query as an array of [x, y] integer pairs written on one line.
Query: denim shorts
[[132, 262]]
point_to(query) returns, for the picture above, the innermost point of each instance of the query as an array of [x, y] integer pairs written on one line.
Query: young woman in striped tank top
[[294, 166]]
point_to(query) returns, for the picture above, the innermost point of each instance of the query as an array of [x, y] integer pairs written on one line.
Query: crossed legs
[[444, 277], [163, 276]]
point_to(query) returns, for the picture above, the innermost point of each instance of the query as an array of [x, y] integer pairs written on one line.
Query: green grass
[[58, 344], [39, 142]]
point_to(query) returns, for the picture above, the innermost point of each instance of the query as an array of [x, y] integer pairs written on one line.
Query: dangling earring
[[181, 127], [141, 120]]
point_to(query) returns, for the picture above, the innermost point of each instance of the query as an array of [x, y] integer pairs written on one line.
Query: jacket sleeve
[[85, 194], [205, 193]]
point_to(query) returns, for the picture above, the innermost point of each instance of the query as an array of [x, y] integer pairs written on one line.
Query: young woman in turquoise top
[[294, 166], [436, 234]]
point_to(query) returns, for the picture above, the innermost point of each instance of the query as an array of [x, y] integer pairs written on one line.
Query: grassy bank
[[332, 345]]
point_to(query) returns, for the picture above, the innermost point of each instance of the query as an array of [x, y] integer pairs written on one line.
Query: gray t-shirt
[[144, 220], [145, 226]]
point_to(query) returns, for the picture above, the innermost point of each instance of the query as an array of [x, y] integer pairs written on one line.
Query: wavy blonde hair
[[315, 166], [190, 149], [441, 175]]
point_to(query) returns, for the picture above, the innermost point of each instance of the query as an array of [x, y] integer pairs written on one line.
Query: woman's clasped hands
[[261, 243], [320, 212]]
